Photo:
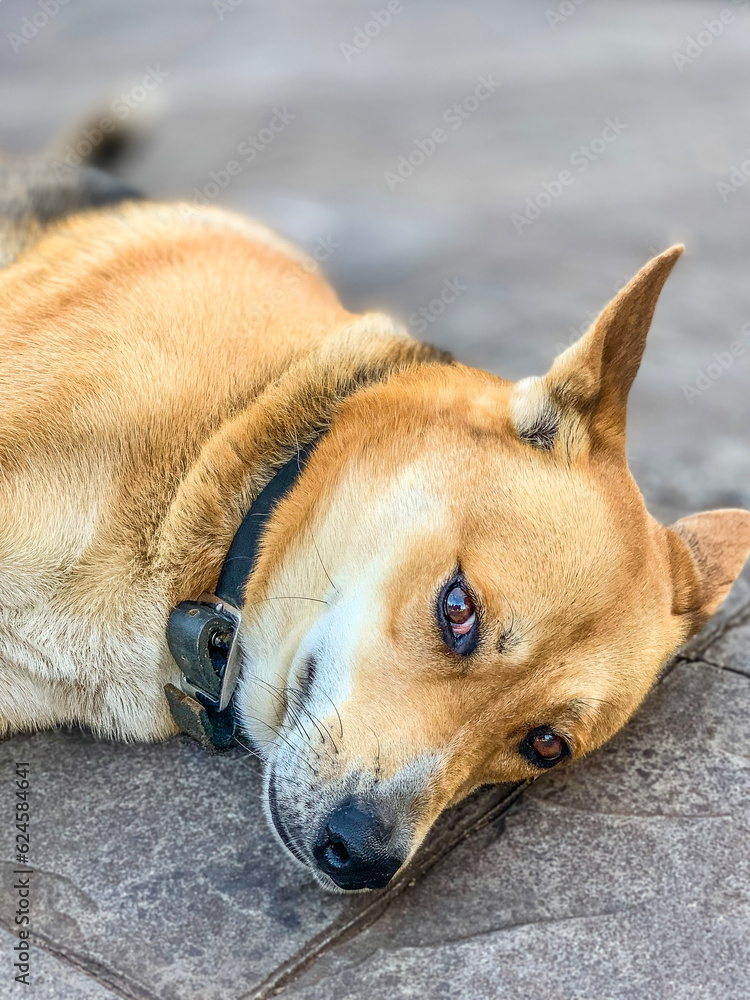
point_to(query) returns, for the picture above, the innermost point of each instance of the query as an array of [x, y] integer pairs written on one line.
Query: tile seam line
[[698, 660], [108, 978], [288, 972], [735, 620], [700, 652]]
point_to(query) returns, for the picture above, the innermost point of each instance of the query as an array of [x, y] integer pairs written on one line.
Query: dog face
[[465, 588]]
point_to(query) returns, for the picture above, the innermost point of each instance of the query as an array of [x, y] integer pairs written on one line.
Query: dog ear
[[586, 390], [707, 553]]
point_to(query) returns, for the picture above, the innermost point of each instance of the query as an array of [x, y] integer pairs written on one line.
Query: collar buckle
[[203, 638]]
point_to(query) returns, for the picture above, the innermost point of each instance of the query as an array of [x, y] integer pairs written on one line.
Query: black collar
[[203, 635]]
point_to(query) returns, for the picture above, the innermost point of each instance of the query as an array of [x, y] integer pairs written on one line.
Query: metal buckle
[[203, 638]]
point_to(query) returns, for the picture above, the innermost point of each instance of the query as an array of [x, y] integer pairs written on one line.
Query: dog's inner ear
[[707, 552], [583, 398]]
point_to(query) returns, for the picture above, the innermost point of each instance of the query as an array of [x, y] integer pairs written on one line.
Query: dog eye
[[460, 610], [544, 748], [457, 614]]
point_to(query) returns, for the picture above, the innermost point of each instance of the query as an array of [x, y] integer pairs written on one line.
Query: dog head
[[465, 587]]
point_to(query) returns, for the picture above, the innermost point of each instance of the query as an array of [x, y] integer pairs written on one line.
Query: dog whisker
[[283, 738], [286, 597], [333, 705], [320, 559], [322, 729], [311, 717], [281, 696]]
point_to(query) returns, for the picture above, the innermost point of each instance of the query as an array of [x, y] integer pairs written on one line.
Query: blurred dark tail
[[103, 142], [74, 174]]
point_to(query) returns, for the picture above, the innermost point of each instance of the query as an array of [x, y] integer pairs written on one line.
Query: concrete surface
[[627, 875]]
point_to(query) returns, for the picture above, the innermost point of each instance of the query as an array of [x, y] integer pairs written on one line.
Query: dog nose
[[353, 847]]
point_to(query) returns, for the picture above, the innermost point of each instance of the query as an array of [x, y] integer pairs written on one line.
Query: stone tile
[[50, 977], [156, 863], [725, 640], [731, 649], [626, 876]]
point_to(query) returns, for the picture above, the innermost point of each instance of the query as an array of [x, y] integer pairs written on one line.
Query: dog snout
[[354, 847]]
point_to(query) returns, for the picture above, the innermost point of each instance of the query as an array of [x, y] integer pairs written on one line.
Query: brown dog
[[463, 586]]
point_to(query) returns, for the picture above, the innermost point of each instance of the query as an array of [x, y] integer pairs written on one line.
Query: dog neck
[[224, 505], [244, 454]]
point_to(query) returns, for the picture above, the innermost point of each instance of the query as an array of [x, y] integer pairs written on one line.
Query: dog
[[461, 585]]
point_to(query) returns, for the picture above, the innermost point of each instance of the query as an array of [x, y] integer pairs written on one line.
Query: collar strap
[[243, 552], [203, 635]]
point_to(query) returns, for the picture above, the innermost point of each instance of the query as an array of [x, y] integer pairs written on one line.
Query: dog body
[[463, 587], [130, 339]]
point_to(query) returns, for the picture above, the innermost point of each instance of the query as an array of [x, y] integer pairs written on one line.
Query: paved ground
[[628, 876]]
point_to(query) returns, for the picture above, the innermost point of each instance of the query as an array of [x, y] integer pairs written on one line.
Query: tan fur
[[158, 364], [144, 351]]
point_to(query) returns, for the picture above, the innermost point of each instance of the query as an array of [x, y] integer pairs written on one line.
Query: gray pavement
[[627, 875]]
